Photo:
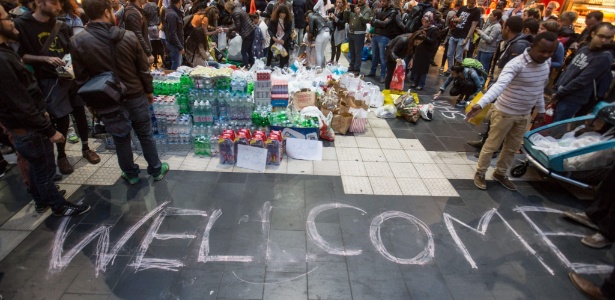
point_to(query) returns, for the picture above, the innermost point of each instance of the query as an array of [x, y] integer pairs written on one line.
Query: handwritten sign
[[304, 99], [252, 158], [304, 149]]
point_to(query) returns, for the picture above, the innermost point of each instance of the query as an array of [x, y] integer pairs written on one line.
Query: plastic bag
[[478, 119], [222, 41], [326, 131], [399, 75], [411, 113], [234, 49], [386, 112], [426, 111], [344, 47], [278, 49]]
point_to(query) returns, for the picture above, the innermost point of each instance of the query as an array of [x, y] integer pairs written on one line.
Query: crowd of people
[[524, 56]]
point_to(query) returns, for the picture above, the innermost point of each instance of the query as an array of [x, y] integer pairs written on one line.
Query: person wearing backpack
[[467, 83], [173, 30], [490, 38], [134, 19]]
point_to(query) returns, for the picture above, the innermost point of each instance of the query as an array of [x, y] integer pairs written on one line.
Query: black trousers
[[390, 71], [602, 211]]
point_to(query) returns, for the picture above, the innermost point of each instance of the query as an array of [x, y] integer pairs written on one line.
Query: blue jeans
[[565, 110], [355, 47], [176, 57], [134, 114], [455, 51], [37, 149], [379, 43], [485, 59]]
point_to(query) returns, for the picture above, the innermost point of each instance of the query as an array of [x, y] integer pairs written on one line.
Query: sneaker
[[130, 180], [72, 137], [419, 88], [441, 69], [6, 150], [40, 208], [504, 181], [371, 75], [596, 241], [581, 218], [4, 166], [57, 177], [382, 80], [64, 166], [476, 144], [479, 181], [461, 104], [68, 209], [91, 156], [163, 170], [445, 74]]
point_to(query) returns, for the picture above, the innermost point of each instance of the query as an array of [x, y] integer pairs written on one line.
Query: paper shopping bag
[[341, 123]]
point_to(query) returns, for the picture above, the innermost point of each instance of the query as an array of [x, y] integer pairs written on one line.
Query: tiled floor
[[345, 227]]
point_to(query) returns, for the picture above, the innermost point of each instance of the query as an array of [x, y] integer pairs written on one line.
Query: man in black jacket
[[22, 112], [385, 29], [91, 56], [134, 19], [174, 32]]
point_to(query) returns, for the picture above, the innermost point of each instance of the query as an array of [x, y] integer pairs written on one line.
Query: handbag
[[105, 90]]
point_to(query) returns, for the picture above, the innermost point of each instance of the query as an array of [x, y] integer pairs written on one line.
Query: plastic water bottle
[[208, 118], [223, 107]]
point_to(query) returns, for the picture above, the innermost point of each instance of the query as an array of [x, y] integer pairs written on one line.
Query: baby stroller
[[577, 151]]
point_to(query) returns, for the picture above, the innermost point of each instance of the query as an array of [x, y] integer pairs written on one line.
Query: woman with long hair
[[338, 16], [71, 16], [280, 29], [401, 48], [490, 38], [197, 48], [425, 51], [245, 27]]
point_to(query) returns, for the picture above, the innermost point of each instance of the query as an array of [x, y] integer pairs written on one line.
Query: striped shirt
[[520, 86]]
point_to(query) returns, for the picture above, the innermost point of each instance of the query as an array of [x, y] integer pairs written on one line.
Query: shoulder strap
[[52, 36], [106, 40]]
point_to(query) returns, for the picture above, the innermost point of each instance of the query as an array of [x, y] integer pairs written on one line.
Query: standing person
[[424, 51], [245, 27], [516, 42], [259, 37], [357, 28], [280, 30], [133, 19], [467, 19], [338, 15], [592, 19], [490, 38], [401, 48], [45, 57], [516, 10], [518, 90], [152, 14], [566, 33], [22, 112], [450, 25], [385, 29], [92, 56], [319, 35], [550, 11], [531, 13], [174, 32], [300, 7], [578, 82]]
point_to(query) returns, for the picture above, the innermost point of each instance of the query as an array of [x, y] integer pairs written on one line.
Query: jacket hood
[[107, 29], [522, 36], [424, 5]]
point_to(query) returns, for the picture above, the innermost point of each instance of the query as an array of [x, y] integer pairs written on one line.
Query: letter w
[[482, 229], [104, 256]]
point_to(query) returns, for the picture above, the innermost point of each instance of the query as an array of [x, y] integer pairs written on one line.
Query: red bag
[[397, 83], [549, 115]]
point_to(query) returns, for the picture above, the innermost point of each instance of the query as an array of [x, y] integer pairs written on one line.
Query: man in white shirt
[[518, 90]]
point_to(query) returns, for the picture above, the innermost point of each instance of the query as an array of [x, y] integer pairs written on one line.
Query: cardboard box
[[298, 133]]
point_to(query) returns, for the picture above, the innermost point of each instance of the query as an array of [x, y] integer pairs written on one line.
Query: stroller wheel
[[519, 170]]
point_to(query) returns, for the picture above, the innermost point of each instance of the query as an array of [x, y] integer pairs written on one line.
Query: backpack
[[476, 65], [414, 22], [188, 28]]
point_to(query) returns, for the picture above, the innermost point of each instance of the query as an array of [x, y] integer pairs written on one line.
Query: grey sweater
[[490, 38]]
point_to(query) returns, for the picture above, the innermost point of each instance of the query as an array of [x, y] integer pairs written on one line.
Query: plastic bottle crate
[[263, 101], [262, 85], [262, 94]]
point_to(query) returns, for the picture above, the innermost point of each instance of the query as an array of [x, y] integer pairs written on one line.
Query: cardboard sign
[[304, 99], [304, 149], [252, 158]]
